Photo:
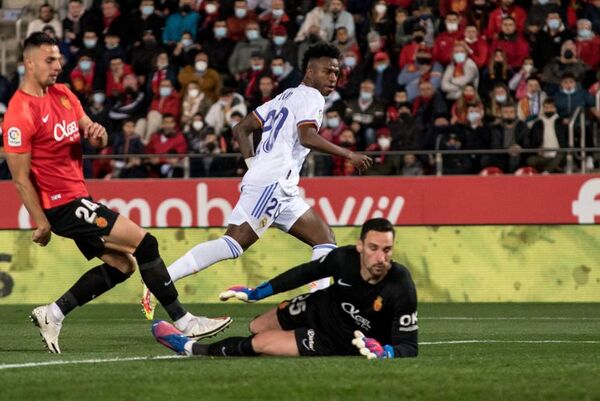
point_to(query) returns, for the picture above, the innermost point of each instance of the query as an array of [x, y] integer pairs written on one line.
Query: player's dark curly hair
[[317, 51], [377, 224], [38, 39]]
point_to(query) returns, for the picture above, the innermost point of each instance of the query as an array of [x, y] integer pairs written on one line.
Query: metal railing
[[578, 114], [185, 160], [3, 55]]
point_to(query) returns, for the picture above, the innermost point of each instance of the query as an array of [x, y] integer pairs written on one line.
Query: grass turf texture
[[516, 367]]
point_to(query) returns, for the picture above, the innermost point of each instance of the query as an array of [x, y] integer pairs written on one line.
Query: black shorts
[[298, 314], [85, 222]]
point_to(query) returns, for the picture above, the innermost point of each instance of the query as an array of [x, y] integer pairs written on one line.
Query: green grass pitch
[[486, 352]]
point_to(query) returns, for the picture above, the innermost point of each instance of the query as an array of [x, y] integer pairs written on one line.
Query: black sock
[[155, 275], [90, 285], [231, 346]]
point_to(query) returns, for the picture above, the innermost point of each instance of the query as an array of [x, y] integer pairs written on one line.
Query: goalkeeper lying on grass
[[370, 309]]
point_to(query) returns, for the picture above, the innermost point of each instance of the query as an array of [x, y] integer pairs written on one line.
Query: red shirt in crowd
[[48, 128], [495, 22], [444, 46]]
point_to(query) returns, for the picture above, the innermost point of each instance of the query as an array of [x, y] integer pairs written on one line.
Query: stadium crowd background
[[169, 78]]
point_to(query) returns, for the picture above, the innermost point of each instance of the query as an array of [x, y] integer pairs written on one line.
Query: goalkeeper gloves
[[247, 294], [371, 348]]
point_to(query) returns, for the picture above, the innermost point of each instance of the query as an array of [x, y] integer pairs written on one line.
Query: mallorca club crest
[[378, 304], [65, 102], [101, 222]]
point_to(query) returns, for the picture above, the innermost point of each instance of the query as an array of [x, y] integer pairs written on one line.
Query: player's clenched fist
[[96, 134], [247, 294], [41, 235], [371, 348], [360, 161]]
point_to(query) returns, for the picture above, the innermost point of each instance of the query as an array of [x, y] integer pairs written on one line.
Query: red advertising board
[[351, 200]]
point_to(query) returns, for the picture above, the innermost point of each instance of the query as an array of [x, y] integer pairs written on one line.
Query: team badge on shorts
[[65, 102], [263, 222], [378, 304], [283, 305], [101, 222], [14, 137]]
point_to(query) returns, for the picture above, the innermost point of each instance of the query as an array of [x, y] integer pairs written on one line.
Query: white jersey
[[279, 155]]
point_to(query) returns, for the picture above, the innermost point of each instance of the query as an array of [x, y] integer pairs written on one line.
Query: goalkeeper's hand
[[247, 294], [371, 348]]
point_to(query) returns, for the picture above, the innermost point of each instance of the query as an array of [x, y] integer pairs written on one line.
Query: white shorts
[[262, 207]]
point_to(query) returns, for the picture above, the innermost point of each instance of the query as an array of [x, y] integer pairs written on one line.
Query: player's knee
[[331, 239], [234, 246], [147, 249], [253, 326]]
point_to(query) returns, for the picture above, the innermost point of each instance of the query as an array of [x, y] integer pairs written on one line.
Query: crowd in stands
[[173, 77]]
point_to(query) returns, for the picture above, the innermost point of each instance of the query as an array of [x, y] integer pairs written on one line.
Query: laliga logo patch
[[101, 222], [14, 137], [378, 304]]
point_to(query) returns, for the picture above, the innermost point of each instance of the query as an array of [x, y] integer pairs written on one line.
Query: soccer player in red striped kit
[[43, 125]]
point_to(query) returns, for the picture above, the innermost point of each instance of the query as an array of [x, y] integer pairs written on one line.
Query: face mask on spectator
[[384, 143], [99, 98], [350, 61], [451, 26], [366, 95], [21, 69], [460, 57], [165, 91], [201, 65], [333, 122], [90, 43], [543, 2], [186, 42], [528, 68], [405, 116], [553, 24], [585, 33], [256, 67], [381, 67], [374, 46], [277, 70], [418, 38], [147, 10], [85, 65], [569, 91], [549, 114], [252, 34], [210, 8], [278, 13], [220, 32], [473, 116], [500, 98], [380, 9], [210, 146], [111, 46], [424, 60], [193, 92], [509, 120], [162, 66], [198, 125], [241, 12], [279, 40]]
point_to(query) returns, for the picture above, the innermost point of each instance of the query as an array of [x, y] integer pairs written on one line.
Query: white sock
[[55, 313], [320, 251], [188, 348], [204, 255], [183, 321]]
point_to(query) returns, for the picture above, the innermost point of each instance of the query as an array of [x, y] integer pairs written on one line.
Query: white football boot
[[203, 327], [49, 330]]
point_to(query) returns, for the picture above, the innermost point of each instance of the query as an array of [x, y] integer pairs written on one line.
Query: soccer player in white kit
[[269, 192]]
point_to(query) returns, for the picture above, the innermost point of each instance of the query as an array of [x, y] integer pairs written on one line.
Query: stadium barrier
[[465, 239]]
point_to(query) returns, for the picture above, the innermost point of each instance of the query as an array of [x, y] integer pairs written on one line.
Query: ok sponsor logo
[[408, 322], [68, 131], [354, 313]]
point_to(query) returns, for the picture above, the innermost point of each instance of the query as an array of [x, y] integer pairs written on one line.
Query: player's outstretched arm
[[20, 165], [371, 348], [242, 131], [309, 138], [95, 133]]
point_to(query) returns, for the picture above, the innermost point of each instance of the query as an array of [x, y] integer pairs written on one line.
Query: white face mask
[[210, 8], [201, 65], [451, 26], [384, 143], [193, 92], [528, 68], [278, 13], [198, 125], [240, 12], [380, 9], [460, 57]]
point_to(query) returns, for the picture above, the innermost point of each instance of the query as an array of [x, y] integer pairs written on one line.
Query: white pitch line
[[510, 342], [506, 318], [86, 361], [150, 358]]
